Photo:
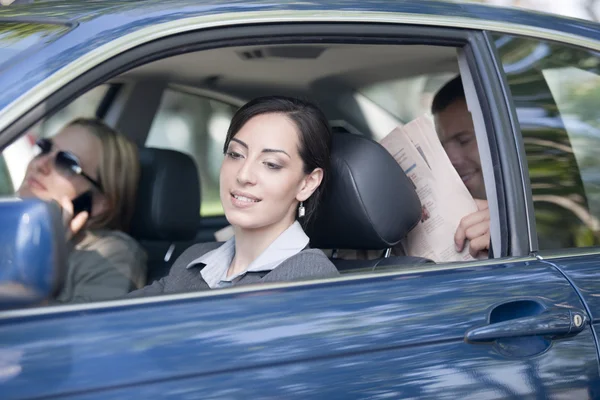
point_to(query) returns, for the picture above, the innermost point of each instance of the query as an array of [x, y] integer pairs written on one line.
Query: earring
[[301, 210]]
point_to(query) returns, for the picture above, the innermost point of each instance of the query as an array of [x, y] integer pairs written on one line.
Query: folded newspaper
[[445, 199]]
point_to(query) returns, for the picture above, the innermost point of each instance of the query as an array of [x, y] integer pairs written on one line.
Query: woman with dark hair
[[276, 162]]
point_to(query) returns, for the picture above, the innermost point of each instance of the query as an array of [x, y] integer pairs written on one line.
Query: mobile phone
[[83, 202]]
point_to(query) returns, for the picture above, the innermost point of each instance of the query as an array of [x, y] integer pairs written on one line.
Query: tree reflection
[[559, 136], [11, 32]]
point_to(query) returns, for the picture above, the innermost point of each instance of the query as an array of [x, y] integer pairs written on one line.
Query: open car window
[[190, 115]]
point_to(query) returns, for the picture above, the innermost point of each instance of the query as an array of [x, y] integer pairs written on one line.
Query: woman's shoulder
[[113, 252], [109, 240], [307, 264], [114, 246]]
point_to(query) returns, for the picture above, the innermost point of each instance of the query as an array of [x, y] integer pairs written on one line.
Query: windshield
[[16, 37]]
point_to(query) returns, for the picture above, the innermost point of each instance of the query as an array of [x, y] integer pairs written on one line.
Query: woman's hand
[[73, 224], [475, 227]]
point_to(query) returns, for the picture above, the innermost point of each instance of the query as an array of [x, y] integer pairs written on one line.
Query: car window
[[556, 92], [197, 126], [16, 156], [407, 98]]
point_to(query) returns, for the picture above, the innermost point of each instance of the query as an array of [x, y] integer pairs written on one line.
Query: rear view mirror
[[32, 251]]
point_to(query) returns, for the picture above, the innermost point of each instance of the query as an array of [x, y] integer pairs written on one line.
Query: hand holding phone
[[76, 213], [83, 202]]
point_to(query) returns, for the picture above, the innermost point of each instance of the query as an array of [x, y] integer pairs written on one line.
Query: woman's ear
[[310, 183]]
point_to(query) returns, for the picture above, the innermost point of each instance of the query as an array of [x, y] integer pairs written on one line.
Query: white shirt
[[291, 241]]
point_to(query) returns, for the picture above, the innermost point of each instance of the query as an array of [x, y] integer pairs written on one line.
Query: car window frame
[[478, 56]]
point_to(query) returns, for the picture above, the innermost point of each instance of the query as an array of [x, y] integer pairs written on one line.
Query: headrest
[[168, 200], [369, 202]]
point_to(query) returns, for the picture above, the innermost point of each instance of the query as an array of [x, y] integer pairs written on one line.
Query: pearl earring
[[301, 210]]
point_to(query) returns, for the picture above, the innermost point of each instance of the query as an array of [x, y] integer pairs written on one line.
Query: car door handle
[[549, 323]]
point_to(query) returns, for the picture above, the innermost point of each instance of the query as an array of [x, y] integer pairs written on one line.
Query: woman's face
[[262, 176], [44, 181]]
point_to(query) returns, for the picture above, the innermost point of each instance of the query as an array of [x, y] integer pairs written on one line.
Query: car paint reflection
[[403, 334]]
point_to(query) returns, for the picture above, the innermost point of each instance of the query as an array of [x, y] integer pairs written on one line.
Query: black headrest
[[369, 202], [168, 200]]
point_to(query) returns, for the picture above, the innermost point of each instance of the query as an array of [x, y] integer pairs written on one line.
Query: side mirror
[[33, 251]]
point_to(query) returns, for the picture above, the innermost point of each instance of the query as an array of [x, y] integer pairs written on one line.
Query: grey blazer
[[308, 264]]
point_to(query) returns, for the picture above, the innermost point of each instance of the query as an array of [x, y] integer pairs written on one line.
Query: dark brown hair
[[448, 94]]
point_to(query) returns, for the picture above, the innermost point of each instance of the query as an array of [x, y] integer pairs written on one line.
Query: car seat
[[369, 204], [167, 212]]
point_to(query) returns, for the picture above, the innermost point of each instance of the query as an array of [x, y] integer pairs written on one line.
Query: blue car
[[522, 323]]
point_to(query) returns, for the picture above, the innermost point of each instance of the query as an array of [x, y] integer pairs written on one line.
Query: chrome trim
[[168, 298], [29, 99], [565, 253]]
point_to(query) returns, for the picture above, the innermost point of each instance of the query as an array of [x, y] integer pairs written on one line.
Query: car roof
[[152, 11]]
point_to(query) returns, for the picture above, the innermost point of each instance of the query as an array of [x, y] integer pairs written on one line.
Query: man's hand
[[72, 224], [475, 227]]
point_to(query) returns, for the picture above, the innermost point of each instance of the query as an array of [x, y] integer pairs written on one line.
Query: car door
[[555, 90], [508, 329]]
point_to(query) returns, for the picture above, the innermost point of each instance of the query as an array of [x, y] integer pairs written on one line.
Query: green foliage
[[12, 32], [6, 185], [561, 197], [584, 100]]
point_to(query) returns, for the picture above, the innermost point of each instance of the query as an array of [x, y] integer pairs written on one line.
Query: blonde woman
[[92, 172]]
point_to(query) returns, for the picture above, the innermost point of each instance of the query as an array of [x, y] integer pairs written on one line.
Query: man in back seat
[[455, 129]]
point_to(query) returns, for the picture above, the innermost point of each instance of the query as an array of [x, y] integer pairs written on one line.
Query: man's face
[[454, 126]]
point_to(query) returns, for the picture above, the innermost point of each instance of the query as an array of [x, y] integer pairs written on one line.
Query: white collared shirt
[[217, 262]]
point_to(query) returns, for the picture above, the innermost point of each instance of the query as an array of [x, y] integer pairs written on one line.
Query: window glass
[[196, 126], [14, 158], [556, 92], [407, 98]]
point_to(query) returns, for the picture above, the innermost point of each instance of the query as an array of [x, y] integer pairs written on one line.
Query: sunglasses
[[66, 162]]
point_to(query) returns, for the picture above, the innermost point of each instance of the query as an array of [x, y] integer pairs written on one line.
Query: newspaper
[[445, 199]]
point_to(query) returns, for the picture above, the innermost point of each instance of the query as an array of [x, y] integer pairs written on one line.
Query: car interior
[[177, 110]]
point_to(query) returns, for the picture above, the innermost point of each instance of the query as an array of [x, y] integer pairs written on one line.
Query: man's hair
[[118, 172], [448, 94]]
